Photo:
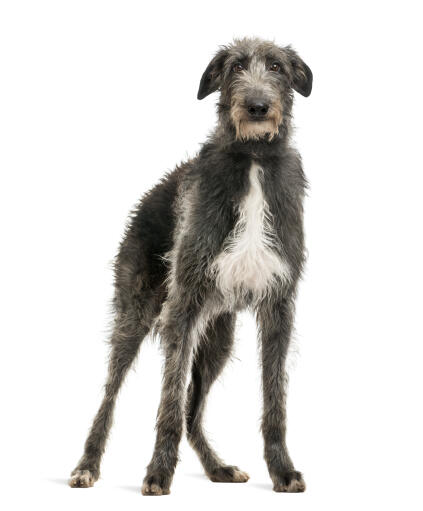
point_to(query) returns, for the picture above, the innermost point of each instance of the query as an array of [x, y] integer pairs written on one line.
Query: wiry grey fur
[[220, 233]]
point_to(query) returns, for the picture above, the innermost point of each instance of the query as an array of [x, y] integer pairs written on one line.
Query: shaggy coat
[[221, 233]]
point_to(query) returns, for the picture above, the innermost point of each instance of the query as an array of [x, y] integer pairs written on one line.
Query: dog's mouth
[[252, 119], [261, 121]]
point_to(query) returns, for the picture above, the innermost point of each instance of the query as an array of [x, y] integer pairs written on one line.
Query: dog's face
[[256, 79]]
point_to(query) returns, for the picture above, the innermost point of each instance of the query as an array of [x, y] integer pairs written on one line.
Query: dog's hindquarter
[[140, 264]]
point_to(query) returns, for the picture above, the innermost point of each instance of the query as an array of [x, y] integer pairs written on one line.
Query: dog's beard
[[255, 130]]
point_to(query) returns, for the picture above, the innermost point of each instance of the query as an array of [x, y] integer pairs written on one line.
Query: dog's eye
[[276, 67], [237, 68]]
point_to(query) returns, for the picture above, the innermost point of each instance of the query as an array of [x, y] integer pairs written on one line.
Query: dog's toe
[[228, 474], [155, 485], [82, 479], [289, 482]]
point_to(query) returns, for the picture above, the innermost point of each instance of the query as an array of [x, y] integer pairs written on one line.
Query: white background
[[97, 101]]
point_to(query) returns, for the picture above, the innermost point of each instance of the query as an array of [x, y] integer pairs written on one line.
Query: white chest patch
[[248, 261]]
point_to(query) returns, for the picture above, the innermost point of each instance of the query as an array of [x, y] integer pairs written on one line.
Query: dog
[[221, 233]]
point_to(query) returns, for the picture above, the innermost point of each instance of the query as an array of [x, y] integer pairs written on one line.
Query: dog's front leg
[[177, 338], [275, 318]]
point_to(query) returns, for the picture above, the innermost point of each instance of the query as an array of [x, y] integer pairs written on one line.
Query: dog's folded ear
[[211, 79], [302, 77]]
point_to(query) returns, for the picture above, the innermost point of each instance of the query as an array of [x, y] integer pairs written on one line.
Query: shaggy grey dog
[[221, 233]]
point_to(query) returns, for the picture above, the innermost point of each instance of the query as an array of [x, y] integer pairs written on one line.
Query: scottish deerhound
[[221, 233]]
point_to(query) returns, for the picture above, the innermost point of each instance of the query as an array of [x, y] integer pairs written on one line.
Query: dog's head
[[255, 79]]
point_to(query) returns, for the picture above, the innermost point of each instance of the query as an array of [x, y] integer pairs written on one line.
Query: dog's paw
[[289, 482], [228, 474], [82, 479], [156, 484]]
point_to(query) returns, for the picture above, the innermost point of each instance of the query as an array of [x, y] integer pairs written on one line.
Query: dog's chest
[[248, 260]]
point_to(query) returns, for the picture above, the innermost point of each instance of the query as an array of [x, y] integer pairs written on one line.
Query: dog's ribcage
[[249, 261]]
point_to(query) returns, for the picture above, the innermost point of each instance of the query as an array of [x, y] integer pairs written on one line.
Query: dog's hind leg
[[126, 338], [209, 361]]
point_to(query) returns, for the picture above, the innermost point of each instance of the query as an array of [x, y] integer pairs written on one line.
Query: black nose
[[257, 109]]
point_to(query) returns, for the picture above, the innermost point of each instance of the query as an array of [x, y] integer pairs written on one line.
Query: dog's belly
[[249, 261]]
